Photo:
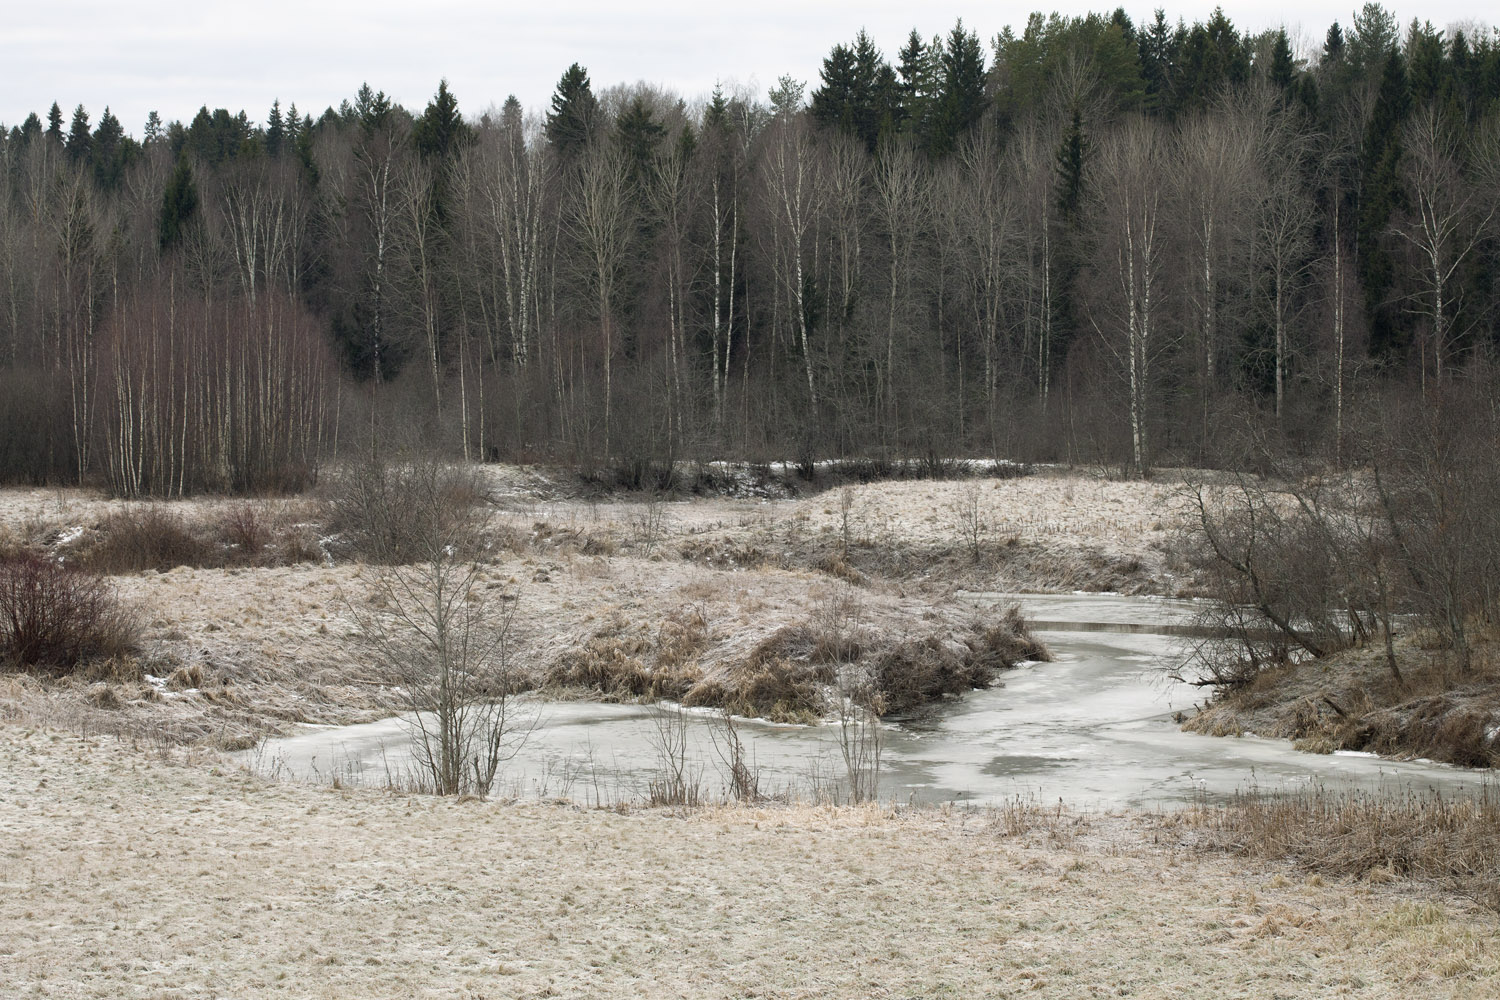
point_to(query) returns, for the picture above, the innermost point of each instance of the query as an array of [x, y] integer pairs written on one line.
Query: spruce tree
[[639, 133], [80, 139], [1283, 68], [441, 131], [275, 130], [916, 87], [570, 124], [54, 123], [109, 151], [961, 100], [179, 202], [1380, 197]]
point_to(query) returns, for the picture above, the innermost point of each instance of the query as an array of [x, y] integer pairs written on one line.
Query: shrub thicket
[[54, 618]]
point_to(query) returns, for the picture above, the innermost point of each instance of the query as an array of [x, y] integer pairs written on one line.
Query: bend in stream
[[1093, 729]]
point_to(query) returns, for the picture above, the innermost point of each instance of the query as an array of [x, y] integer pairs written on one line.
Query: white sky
[[173, 56]]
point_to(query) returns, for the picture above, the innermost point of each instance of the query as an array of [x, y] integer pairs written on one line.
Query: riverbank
[[1351, 700], [247, 612], [150, 873]]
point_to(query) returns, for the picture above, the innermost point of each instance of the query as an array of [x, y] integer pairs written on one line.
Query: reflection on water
[[1094, 729]]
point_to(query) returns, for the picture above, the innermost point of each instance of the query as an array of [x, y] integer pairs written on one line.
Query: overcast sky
[[173, 57]]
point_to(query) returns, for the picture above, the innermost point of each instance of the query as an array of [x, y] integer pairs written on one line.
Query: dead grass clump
[[54, 619], [12, 545], [185, 678], [1003, 645], [837, 566], [1438, 727], [725, 554], [637, 667], [771, 687], [1453, 843], [911, 674], [130, 541]]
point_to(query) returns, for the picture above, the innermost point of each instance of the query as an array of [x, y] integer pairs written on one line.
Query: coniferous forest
[[1086, 239]]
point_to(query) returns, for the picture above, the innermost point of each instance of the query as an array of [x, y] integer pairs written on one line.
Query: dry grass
[[615, 666], [1452, 843], [136, 873]]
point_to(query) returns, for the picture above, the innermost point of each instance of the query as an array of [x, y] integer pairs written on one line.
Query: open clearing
[[129, 875]]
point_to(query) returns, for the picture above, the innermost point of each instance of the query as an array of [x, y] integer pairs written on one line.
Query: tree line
[[1088, 240]]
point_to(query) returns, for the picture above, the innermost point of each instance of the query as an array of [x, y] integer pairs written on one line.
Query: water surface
[[1093, 729]]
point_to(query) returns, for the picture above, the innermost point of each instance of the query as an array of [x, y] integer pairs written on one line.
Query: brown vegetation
[[1452, 843], [55, 619]]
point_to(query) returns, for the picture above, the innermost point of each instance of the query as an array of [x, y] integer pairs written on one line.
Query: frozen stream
[[1093, 728]]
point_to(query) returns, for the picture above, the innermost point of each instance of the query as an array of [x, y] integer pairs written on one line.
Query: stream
[[1093, 729]]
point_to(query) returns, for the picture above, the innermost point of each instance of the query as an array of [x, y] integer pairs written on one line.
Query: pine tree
[[153, 131], [570, 124], [786, 96]]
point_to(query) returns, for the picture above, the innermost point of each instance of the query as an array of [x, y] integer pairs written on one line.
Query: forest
[[1084, 240]]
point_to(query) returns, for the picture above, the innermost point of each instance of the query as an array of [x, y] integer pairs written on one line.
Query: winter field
[[141, 861]]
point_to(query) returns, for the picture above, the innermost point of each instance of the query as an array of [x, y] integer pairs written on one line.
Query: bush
[[131, 541], [393, 514], [54, 618]]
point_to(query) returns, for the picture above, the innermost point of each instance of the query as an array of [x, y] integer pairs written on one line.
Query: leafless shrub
[[648, 522], [970, 518], [54, 618], [246, 530], [846, 509], [676, 783], [743, 778], [130, 541], [443, 643], [861, 741], [389, 512]]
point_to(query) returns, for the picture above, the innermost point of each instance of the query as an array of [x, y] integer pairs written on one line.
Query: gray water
[[1093, 729]]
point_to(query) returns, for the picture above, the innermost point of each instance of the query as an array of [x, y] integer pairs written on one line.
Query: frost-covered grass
[[139, 874]]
